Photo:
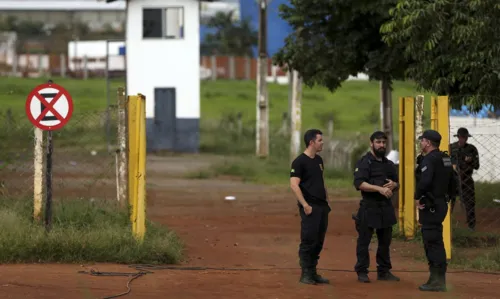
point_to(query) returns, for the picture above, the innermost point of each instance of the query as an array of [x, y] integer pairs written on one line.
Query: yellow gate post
[[440, 121], [409, 167], [141, 171], [402, 186], [132, 111]]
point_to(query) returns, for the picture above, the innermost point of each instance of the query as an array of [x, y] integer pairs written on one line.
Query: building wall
[[94, 19], [167, 63]]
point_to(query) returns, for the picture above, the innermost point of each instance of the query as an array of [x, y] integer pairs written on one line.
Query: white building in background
[[94, 13], [163, 63]]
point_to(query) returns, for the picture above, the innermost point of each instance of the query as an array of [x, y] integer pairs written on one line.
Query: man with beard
[[435, 186], [376, 177], [307, 183]]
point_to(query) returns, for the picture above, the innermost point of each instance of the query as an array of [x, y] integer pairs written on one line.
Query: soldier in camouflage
[[465, 159]]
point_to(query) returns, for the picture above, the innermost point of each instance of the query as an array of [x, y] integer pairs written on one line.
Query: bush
[[82, 231]]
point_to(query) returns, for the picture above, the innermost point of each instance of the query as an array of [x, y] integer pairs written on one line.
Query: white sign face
[[49, 107]]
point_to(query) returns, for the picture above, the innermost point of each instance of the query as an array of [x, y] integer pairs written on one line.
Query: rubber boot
[[436, 282]]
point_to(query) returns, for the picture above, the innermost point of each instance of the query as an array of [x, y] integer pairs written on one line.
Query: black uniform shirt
[[374, 172], [435, 177], [310, 172]]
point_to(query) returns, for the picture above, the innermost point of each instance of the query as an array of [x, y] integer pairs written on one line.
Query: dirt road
[[260, 229]]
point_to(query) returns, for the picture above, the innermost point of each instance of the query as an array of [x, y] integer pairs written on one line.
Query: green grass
[[355, 106], [83, 231], [470, 250]]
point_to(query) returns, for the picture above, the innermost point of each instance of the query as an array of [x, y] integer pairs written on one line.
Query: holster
[[429, 201]]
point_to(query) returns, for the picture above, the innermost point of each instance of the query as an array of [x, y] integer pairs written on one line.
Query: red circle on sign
[[36, 96]]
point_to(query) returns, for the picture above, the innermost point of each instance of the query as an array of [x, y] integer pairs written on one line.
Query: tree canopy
[[454, 46], [230, 37], [337, 38]]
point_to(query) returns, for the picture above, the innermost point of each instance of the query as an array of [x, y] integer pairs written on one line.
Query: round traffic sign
[[49, 106]]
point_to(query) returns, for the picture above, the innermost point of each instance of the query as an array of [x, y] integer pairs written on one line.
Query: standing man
[[465, 159], [435, 186], [376, 177], [307, 183]]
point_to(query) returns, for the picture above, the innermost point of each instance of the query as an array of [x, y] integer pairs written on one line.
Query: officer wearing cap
[[465, 159], [376, 177], [435, 185]]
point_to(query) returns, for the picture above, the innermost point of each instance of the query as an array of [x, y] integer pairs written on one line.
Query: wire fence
[[477, 207], [234, 134], [83, 166]]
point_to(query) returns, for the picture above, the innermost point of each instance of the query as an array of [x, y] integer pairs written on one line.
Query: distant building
[[163, 64], [96, 14]]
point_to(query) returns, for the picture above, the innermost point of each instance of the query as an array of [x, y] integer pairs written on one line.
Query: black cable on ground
[[144, 269]]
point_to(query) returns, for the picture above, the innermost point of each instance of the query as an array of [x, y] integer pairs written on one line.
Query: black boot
[[363, 277], [387, 276], [436, 282], [307, 276], [318, 278]]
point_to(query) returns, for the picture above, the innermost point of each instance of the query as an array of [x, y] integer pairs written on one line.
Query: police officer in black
[[435, 185], [307, 183], [465, 159], [376, 177]]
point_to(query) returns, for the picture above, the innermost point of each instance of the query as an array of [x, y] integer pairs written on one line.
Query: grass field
[[355, 108], [355, 105], [82, 231]]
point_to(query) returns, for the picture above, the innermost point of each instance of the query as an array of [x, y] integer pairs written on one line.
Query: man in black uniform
[[307, 183], [465, 159], [376, 177], [435, 185]]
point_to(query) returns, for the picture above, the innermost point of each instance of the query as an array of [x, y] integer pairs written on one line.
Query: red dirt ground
[[260, 229]]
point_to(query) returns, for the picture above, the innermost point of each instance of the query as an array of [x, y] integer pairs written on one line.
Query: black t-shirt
[[310, 172]]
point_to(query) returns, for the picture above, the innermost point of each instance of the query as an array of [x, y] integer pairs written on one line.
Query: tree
[[337, 38], [454, 46], [230, 37]]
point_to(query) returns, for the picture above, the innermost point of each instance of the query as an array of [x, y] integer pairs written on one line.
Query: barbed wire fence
[[82, 167]]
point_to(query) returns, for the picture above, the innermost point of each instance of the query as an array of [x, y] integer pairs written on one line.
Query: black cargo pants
[[432, 235], [312, 234], [371, 217], [469, 199]]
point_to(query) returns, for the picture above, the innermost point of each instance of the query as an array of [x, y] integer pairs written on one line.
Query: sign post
[[49, 107]]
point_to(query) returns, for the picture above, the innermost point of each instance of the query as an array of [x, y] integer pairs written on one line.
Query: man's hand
[[468, 159], [390, 184], [308, 210], [385, 192], [418, 205]]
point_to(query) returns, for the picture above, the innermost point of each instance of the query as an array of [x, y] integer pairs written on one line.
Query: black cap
[[463, 132], [378, 135], [431, 135]]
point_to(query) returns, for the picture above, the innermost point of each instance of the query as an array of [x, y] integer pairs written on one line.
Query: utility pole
[[295, 115], [262, 129], [386, 112]]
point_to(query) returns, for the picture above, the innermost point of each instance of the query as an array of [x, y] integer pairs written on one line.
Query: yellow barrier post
[[409, 167], [440, 121], [141, 173], [401, 165], [132, 153]]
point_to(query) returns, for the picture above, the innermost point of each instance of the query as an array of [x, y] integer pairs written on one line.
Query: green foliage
[[453, 47], [335, 39], [83, 231], [230, 37]]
